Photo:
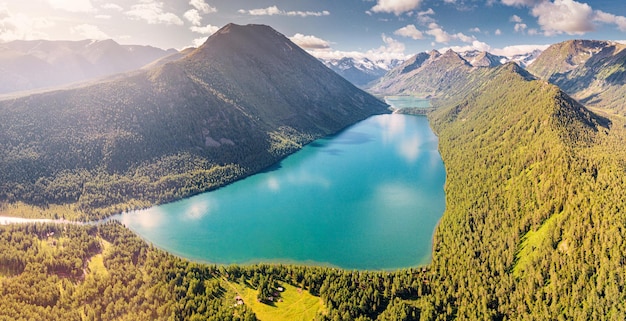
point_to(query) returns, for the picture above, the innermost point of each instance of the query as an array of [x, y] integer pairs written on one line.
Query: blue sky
[[379, 29]]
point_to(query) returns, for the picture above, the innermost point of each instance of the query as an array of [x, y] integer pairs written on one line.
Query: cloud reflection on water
[[145, 219], [392, 127], [410, 148], [200, 208]]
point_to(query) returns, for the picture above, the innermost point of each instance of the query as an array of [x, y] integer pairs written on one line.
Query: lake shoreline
[[216, 222]]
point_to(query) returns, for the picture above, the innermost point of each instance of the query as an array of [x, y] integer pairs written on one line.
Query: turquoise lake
[[407, 102], [366, 198]]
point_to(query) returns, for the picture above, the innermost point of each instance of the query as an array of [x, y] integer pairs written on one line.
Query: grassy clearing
[[96, 263], [52, 245], [53, 211], [96, 266], [296, 305], [531, 245]]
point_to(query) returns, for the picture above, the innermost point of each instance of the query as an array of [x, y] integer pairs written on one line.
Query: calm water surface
[[407, 102], [367, 198]]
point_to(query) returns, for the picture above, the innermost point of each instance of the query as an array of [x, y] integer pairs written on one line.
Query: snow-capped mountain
[[478, 58], [525, 59], [360, 71]]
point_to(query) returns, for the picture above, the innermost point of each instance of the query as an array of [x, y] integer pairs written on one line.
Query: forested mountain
[[533, 223], [27, 65], [237, 104], [594, 72]]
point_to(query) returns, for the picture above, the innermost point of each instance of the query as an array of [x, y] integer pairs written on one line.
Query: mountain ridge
[[235, 105], [38, 64], [591, 71]]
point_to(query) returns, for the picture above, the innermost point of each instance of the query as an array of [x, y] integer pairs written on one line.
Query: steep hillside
[[533, 222], [237, 104], [594, 72], [27, 65], [432, 75], [565, 56]]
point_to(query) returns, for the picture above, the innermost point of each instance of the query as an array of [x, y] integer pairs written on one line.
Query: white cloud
[[561, 16], [604, 17], [391, 46], [474, 45], [464, 37], [103, 16], [112, 6], [498, 32], [520, 27], [391, 50], [88, 31], [199, 41], [22, 27], [475, 30], [206, 30], [269, 11], [152, 12], [564, 16], [441, 36], [409, 31], [202, 6], [510, 51], [193, 16], [396, 6], [275, 11], [71, 5], [519, 3], [424, 17], [309, 42]]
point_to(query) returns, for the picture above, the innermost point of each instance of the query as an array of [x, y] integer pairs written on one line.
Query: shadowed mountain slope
[[237, 104]]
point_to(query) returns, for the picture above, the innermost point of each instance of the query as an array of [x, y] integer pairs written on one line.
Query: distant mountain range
[[414, 75], [591, 71], [237, 104], [27, 65], [360, 71], [363, 72]]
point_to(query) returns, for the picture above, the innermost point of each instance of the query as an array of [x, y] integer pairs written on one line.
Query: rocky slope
[[594, 72]]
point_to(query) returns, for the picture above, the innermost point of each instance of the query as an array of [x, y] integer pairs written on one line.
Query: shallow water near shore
[[366, 198]]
